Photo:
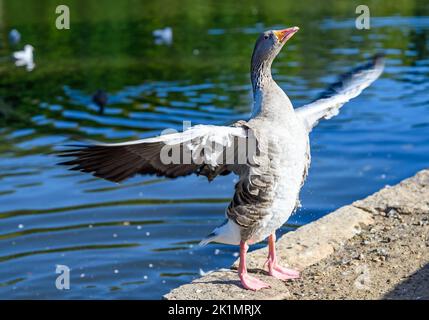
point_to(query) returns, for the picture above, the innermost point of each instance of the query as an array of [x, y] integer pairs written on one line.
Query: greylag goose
[[270, 153]]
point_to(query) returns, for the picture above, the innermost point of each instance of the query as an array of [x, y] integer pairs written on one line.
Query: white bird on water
[[163, 36], [25, 58], [271, 167]]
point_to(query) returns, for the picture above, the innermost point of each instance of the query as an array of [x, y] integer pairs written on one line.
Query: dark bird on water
[[14, 37], [100, 98], [271, 167]]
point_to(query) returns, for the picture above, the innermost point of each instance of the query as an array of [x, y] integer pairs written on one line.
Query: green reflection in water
[[6, 192], [67, 249], [76, 227], [128, 185], [178, 248], [11, 282], [133, 283], [132, 202], [179, 274]]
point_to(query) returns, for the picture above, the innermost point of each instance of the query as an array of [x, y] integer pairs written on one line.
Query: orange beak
[[285, 34]]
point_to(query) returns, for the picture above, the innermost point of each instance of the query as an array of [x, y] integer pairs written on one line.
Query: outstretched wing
[[19, 55], [203, 150], [349, 86]]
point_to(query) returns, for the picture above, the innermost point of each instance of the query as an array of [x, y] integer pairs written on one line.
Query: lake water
[[138, 239]]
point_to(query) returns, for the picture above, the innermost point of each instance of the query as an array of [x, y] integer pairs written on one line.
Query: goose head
[[267, 47], [28, 48]]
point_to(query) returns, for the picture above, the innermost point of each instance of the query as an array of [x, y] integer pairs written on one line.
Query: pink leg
[[247, 281], [273, 268]]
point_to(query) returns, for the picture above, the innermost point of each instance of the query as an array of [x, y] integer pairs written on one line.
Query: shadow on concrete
[[252, 271], [415, 287]]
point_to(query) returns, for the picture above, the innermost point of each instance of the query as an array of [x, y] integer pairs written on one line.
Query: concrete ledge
[[313, 242]]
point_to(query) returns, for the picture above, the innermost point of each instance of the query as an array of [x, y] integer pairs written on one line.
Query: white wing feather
[[349, 86]]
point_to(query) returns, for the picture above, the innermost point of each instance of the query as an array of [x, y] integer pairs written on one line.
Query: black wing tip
[[375, 63], [379, 55], [378, 59], [82, 156], [70, 151]]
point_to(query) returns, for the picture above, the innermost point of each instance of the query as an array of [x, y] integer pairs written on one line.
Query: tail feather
[[207, 240], [227, 233]]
